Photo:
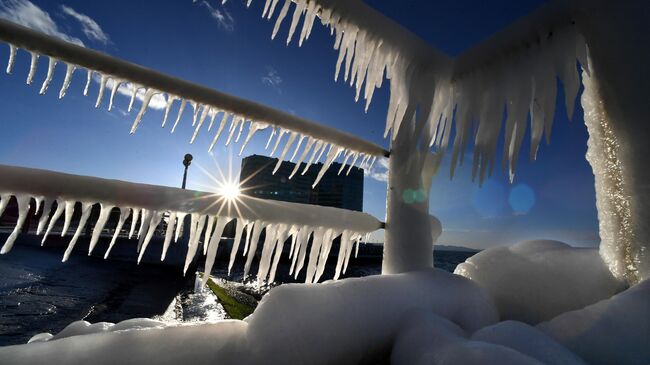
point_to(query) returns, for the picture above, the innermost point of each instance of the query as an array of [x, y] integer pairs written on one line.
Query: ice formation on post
[[147, 205], [234, 113]]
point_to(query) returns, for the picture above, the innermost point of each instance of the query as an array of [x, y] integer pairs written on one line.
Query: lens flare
[[230, 190]]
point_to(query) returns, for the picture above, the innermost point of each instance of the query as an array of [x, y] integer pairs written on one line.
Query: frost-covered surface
[[231, 118], [428, 339], [146, 205], [613, 331], [335, 322], [529, 341], [534, 281]]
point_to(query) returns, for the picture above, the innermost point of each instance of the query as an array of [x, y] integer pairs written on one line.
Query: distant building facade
[[334, 190]]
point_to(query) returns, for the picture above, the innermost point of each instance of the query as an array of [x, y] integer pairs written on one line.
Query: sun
[[230, 190]]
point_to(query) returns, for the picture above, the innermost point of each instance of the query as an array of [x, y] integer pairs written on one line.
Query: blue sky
[[228, 47]]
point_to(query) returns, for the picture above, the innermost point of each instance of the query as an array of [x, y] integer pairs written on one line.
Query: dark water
[[38, 293]]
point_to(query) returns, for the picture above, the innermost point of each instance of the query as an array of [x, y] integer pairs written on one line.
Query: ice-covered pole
[[617, 109]]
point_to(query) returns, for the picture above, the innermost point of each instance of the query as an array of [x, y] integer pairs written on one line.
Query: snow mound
[[534, 281], [528, 340], [613, 331], [426, 338], [339, 322]]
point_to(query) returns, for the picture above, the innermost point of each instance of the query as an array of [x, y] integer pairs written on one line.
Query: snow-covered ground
[[427, 317]]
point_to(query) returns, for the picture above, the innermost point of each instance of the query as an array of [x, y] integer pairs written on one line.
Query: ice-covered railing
[[147, 205], [369, 45], [511, 76], [515, 70], [209, 107]]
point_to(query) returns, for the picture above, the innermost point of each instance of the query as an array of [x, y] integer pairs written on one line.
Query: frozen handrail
[[149, 204], [123, 71]]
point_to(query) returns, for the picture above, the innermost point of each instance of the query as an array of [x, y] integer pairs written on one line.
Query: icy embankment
[[346, 322], [534, 281]]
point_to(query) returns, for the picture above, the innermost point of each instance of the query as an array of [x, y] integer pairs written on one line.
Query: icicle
[[89, 74], [354, 160], [204, 114], [286, 148], [214, 247], [180, 114], [153, 224], [266, 8], [145, 220], [125, 213], [297, 14], [272, 9], [4, 201], [241, 128], [32, 68], [278, 21], [60, 207], [252, 129], [23, 208], [195, 234], [47, 207], [277, 142], [116, 85], [213, 114], [37, 203], [300, 262], [247, 240], [85, 213], [314, 253], [221, 127], [12, 58], [257, 229], [168, 106], [208, 234], [134, 221], [104, 213], [241, 223], [145, 104], [69, 210], [299, 241], [295, 152], [169, 233], [102, 86], [69, 70], [270, 239], [180, 221], [333, 153], [345, 161], [248, 3], [135, 87], [325, 252], [278, 254], [310, 142], [50, 73], [317, 148], [195, 111], [268, 142], [233, 127], [345, 241]]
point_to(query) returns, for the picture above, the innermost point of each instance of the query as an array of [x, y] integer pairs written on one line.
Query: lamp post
[[187, 161]]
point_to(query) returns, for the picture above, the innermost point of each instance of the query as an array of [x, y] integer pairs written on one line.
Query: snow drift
[[534, 281], [349, 321]]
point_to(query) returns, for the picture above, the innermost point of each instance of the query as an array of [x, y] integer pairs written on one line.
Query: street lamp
[[187, 161]]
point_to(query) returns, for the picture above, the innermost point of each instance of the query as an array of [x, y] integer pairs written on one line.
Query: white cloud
[[272, 78], [91, 29], [379, 170], [26, 13], [222, 16]]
